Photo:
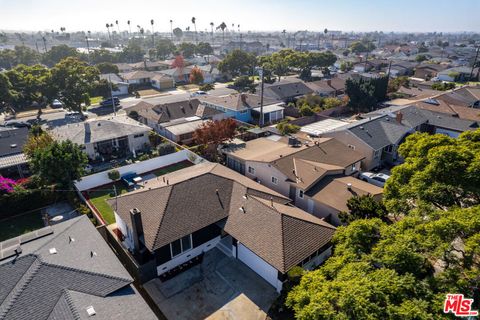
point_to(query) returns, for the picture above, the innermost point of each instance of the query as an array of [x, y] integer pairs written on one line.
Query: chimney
[[329, 82], [137, 227], [243, 96], [399, 117], [271, 201], [87, 127]]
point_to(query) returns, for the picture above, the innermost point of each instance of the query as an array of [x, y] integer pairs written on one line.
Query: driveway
[[220, 287]]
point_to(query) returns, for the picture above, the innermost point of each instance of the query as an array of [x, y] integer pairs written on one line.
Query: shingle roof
[[12, 140], [196, 197], [286, 90], [379, 132], [99, 130], [36, 284], [238, 101]]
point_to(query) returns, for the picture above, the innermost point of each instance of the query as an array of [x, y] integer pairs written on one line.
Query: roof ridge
[[70, 304], [20, 285], [161, 220]]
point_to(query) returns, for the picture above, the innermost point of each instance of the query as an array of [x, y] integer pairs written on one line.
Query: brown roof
[[329, 151], [334, 192], [198, 196], [444, 107]]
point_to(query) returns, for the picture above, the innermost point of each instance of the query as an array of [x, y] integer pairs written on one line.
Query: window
[[251, 170], [181, 245], [388, 148], [300, 194], [274, 180], [353, 167], [138, 135]]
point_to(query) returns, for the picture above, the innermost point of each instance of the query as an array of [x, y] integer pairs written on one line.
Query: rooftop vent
[[52, 250], [70, 239], [245, 196], [349, 186], [13, 145], [242, 209], [93, 254], [90, 311]]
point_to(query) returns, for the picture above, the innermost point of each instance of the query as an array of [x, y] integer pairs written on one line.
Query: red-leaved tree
[[196, 75], [212, 133]]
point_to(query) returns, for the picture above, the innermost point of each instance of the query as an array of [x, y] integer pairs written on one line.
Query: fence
[[101, 178]]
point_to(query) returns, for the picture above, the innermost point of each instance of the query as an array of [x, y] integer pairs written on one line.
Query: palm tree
[[153, 33], [129, 28], [195, 26], [171, 28], [222, 26], [211, 25], [118, 27], [108, 29]]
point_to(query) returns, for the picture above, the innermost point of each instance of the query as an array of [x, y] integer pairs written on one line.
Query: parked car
[[57, 104], [199, 93], [17, 124], [108, 102], [377, 179]]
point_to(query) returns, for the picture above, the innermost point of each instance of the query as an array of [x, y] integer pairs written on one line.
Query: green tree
[[114, 175], [58, 53], [329, 103], [133, 52], [421, 58], [187, 49], [7, 94], [286, 128], [244, 83], [25, 55], [439, 172], [107, 67], [306, 110], [73, 80], [364, 95], [237, 62], [207, 87], [165, 48], [363, 207], [443, 86], [38, 140], [358, 47], [59, 163], [204, 48]]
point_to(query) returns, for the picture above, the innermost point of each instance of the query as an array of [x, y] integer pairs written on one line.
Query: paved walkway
[[220, 287]]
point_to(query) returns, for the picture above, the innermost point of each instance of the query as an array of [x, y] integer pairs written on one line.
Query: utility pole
[[260, 72], [474, 63], [44, 44], [111, 95], [389, 66], [36, 46], [88, 49]]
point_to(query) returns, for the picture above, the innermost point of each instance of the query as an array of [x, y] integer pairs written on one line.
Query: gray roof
[[99, 130], [286, 90], [12, 140], [380, 131], [84, 272]]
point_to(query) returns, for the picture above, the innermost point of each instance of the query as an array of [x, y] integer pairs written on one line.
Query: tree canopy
[[237, 62], [364, 94]]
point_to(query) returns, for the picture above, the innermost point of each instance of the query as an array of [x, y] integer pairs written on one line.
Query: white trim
[[274, 180], [181, 247]]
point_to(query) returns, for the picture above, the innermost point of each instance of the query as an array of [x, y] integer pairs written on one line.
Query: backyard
[[20, 224], [98, 197]]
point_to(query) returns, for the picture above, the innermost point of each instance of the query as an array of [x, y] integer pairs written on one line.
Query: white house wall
[[264, 173], [257, 264]]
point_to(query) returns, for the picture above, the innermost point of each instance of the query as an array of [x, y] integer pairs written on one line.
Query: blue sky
[[345, 15]]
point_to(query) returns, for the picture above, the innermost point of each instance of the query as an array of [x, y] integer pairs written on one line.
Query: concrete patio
[[220, 287]]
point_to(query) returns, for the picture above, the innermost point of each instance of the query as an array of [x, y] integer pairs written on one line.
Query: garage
[[258, 265]]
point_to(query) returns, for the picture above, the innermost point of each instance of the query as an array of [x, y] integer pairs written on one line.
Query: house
[[106, 137], [466, 96], [148, 78], [176, 120], [150, 65], [458, 74], [162, 82], [377, 138], [245, 107], [12, 159], [285, 90], [333, 87], [188, 212], [182, 75], [429, 70], [295, 169], [123, 67], [122, 86], [66, 271], [402, 68]]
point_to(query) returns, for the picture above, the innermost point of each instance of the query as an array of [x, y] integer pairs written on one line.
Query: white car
[[377, 179], [57, 104], [199, 93]]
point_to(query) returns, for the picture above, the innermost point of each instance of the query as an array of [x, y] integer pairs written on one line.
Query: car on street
[[57, 104], [108, 102], [199, 93], [17, 124], [377, 179]]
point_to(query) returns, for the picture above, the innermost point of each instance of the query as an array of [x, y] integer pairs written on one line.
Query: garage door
[[257, 264]]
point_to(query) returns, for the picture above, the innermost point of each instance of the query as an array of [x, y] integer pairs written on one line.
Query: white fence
[[102, 178]]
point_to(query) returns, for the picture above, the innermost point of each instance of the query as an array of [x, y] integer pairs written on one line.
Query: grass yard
[[95, 100], [188, 87], [21, 224], [98, 197]]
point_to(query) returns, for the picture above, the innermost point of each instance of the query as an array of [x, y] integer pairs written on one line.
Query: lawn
[[98, 197], [21, 224], [95, 100]]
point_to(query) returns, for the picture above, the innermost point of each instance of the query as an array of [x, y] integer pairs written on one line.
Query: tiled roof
[[238, 101], [12, 140], [196, 197], [36, 284], [286, 90]]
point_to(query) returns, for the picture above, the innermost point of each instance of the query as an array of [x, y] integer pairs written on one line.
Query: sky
[[264, 15]]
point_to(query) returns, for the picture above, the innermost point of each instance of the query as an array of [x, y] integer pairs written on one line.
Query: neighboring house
[[328, 88], [428, 71], [467, 96], [150, 65], [244, 106], [182, 75], [458, 74], [122, 86], [401, 68], [296, 170], [123, 67], [285, 90], [12, 160], [138, 77], [162, 82], [176, 120], [461, 112], [377, 138], [193, 210], [106, 137], [66, 271]]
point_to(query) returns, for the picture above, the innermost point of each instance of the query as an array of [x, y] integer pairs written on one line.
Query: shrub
[[207, 87], [295, 274], [287, 128], [114, 175], [165, 148], [305, 110]]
